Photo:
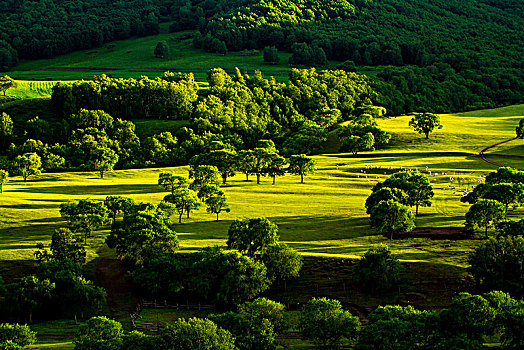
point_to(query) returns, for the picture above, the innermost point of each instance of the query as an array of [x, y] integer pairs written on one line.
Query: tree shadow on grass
[[94, 189], [401, 154]]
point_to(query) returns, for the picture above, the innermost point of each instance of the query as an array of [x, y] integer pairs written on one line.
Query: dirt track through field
[[482, 156]]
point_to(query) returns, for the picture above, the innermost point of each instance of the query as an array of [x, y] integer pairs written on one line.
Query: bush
[[378, 270]]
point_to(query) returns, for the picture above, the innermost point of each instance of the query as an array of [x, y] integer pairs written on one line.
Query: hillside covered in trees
[[440, 56]]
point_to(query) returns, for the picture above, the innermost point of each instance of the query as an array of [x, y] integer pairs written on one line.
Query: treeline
[[36, 29], [458, 69], [237, 110]]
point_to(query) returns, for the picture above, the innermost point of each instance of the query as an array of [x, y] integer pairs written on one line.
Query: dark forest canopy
[[432, 55]]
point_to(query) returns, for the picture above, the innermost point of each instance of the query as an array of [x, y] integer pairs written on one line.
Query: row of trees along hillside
[[44, 29], [238, 110], [447, 64]]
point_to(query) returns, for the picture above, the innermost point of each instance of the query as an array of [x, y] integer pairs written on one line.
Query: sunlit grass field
[[325, 216]]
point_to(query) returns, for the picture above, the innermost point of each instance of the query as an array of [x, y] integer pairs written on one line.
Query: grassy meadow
[[323, 217], [135, 57]]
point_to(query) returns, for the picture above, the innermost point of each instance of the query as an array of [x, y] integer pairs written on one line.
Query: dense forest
[[43, 29], [440, 55]]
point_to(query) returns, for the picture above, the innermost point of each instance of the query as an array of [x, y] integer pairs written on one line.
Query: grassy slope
[[325, 216], [134, 57]]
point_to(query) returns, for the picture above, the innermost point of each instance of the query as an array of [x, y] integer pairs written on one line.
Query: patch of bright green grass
[[324, 217]]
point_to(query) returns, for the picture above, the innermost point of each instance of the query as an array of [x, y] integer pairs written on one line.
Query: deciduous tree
[[301, 165], [425, 123], [325, 321]]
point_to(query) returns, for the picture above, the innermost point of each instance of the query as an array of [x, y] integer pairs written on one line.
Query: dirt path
[[483, 157]]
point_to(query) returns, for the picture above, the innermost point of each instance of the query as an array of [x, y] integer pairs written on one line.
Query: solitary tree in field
[[485, 213], [217, 203], [184, 200], [171, 182], [7, 83], [301, 165], [4, 178], [28, 164], [103, 159], [251, 236], [425, 123], [520, 129], [271, 55], [392, 217], [161, 50]]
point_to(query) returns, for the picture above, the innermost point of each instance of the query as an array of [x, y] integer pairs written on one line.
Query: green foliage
[[301, 165], [216, 202], [252, 236], [385, 194], [184, 200], [116, 204], [197, 334], [397, 327], [6, 130], [416, 185], [67, 27], [29, 294], [519, 130], [281, 261], [171, 182], [271, 55], [378, 270], [20, 335], [468, 319], [425, 123], [99, 333], [510, 228], [4, 179], [484, 214], [162, 50], [391, 217], [325, 321], [228, 277], [496, 265], [63, 246], [162, 277], [142, 234], [84, 216], [73, 294], [28, 164]]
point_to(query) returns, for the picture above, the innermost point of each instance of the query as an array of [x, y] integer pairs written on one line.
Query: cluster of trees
[[390, 201], [95, 142], [185, 197], [15, 336], [463, 325], [255, 260], [451, 68], [492, 200], [32, 30], [58, 287], [239, 110]]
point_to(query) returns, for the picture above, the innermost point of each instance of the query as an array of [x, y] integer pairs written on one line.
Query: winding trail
[[483, 157]]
